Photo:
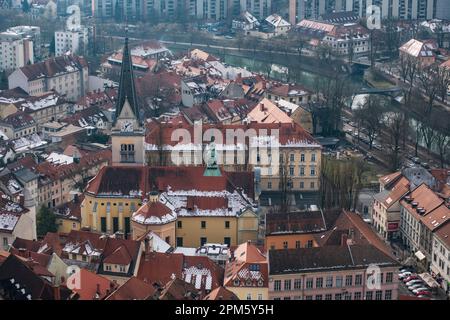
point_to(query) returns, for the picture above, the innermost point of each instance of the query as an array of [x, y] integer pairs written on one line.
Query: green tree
[[46, 221]]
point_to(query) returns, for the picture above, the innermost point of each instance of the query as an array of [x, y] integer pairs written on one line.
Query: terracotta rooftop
[[93, 286], [133, 289], [221, 293], [54, 66]]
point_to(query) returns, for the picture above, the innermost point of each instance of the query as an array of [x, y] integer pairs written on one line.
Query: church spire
[[126, 85]]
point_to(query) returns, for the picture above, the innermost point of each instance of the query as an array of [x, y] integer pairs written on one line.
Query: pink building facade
[[332, 277]]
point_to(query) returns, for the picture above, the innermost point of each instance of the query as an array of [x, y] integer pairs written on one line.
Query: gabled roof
[[267, 112], [92, 286], [120, 256], [248, 268], [15, 272], [221, 293], [133, 289], [54, 66], [417, 49], [178, 289]]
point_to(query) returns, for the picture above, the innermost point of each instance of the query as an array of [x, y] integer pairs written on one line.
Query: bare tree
[[394, 128], [370, 116]]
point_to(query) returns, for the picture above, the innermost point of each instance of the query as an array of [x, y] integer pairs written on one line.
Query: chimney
[[21, 199], [56, 293], [261, 106]]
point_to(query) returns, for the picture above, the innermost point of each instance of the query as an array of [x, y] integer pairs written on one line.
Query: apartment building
[[72, 41], [394, 9], [440, 262], [423, 213], [67, 75], [31, 33], [332, 273], [15, 51]]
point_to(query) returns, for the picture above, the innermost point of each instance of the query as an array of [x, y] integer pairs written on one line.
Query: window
[[309, 244], [369, 295], [74, 256], [312, 185], [308, 297], [297, 244], [309, 283], [292, 157], [179, 224], [389, 277], [103, 224], [260, 297], [269, 185], [358, 279], [378, 295], [319, 297], [5, 243], [227, 224], [287, 285], [319, 282], [328, 296], [357, 296], [285, 244], [313, 157], [277, 285], [338, 281], [287, 298], [329, 282], [122, 268], [249, 296], [227, 241], [348, 280], [297, 284], [203, 224], [179, 241], [302, 171], [348, 296], [388, 295], [291, 170], [302, 185], [203, 240], [302, 157], [338, 296], [313, 171]]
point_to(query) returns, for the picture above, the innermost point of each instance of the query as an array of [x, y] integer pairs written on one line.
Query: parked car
[[404, 275], [421, 289], [412, 282], [423, 293], [411, 277], [415, 286]]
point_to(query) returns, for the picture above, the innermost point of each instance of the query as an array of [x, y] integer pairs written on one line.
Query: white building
[[15, 51], [440, 263], [72, 41], [32, 33], [246, 21], [342, 38], [396, 9], [278, 24], [68, 75]]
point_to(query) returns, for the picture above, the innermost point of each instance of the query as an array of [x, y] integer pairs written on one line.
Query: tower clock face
[[127, 126]]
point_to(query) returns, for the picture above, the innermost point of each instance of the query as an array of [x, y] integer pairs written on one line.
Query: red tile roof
[[119, 256], [53, 66], [93, 286], [133, 289], [221, 293]]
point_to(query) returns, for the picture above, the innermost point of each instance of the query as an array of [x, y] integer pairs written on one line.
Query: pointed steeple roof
[[126, 85]]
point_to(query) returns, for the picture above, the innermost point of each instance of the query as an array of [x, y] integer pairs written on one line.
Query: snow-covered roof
[[58, 158], [8, 221], [28, 143], [277, 21]]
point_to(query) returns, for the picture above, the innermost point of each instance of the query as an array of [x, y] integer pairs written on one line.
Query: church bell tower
[[128, 132]]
